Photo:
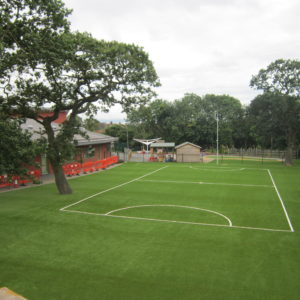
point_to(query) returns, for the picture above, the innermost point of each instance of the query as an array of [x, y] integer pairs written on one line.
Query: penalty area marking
[[171, 205], [176, 222], [223, 169], [112, 188], [282, 204], [173, 221], [202, 182]]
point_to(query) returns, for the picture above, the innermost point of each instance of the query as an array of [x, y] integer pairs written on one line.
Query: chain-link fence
[[256, 154], [159, 157]]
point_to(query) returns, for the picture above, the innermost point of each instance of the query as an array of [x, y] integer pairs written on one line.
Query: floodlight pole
[[217, 117], [127, 140], [127, 136]]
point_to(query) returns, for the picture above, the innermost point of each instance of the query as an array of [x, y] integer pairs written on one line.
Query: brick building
[[94, 148]]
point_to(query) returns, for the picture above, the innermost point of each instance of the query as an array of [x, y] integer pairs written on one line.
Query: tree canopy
[[280, 82], [124, 132], [191, 118], [47, 66], [17, 149], [281, 76]]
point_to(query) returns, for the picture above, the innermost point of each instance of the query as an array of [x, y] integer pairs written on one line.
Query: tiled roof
[[94, 138], [187, 143]]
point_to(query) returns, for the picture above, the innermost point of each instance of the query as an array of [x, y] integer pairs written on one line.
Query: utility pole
[[217, 118], [127, 136]]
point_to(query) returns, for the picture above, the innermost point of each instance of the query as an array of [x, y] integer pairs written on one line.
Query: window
[[89, 152]]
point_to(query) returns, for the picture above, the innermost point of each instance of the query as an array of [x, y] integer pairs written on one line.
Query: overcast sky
[[197, 46]]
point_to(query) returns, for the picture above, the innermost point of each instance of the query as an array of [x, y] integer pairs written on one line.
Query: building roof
[[37, 130], [187, 143], [162, 145], [94, 138]]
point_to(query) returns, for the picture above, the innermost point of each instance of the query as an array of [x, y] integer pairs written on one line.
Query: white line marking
[[112, 188], [201, 182], [230, 169], [170, 205], [179, 222], [281, 201], [222, 169]]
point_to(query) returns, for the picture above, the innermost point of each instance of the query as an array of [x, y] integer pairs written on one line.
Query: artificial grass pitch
[[157, 231]]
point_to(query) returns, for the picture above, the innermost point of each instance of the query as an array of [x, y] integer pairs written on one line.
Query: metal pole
[[127, 136], [217, 117]]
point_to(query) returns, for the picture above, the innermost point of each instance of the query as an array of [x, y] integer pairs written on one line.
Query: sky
[[196, 46]]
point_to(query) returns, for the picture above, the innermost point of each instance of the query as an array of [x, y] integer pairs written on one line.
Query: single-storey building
[[188, 152], [162, 151], [162, 147], [94, 148]]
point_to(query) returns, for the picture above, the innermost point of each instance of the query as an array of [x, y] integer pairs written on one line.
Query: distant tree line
[[43, 64], [270, 121]]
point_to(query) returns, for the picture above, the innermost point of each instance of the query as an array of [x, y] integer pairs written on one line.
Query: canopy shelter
[[162, 151], [163, 146], [146, 142]]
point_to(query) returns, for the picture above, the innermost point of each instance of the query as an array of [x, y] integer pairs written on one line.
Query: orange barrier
[[88, 166], [4, 181], [71, 169], [16, 181]]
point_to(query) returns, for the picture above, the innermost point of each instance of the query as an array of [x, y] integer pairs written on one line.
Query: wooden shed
[[188, 152]]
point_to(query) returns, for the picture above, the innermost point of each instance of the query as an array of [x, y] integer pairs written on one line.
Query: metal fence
[[258, 154], [161, 157]]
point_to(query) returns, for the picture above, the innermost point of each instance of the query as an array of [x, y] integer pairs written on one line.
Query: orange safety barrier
[[88, 166], [71, 169], [99, 165], [4, 181], [15, 180], [153, 159]]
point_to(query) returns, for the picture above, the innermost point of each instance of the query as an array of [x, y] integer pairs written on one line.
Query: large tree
[[274, 121], [124, 132], [91, 124], [71, 71], [282, 78], [152, 120]]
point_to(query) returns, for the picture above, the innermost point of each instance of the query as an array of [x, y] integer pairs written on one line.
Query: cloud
[[198, 46]]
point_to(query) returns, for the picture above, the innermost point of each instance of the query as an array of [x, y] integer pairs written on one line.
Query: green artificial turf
[[78, 253]]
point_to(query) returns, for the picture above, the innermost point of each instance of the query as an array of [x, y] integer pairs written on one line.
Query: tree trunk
[[61, 182], [56, 159]]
